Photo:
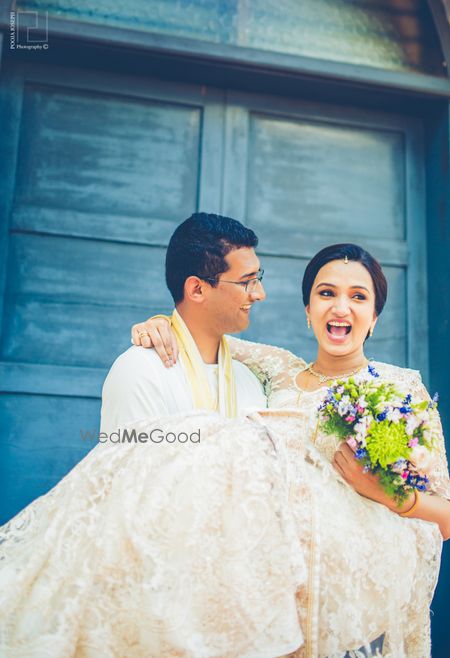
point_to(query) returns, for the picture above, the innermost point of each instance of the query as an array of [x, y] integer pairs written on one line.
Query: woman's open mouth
[[338, 331]]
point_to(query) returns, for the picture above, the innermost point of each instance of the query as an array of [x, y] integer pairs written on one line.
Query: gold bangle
[[413, 506]]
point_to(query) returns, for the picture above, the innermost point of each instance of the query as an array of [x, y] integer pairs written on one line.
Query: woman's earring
[[371, 332], [308, 321]]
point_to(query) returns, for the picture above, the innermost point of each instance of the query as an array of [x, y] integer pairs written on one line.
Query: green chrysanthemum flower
[[387, 442]]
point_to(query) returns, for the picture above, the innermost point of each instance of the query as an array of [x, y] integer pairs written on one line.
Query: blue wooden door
[[98, 171], [307, 175]]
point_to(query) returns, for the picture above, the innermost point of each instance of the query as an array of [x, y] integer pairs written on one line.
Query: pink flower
[[405, 475], [413, 442], [350, 419]]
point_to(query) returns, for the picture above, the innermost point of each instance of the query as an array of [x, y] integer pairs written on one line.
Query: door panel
[[325, 178], [106, 168], [60, 289], [42, 439], [313, 175]]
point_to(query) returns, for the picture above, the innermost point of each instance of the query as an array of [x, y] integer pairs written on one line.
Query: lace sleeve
[[275, 367], [439, 477]]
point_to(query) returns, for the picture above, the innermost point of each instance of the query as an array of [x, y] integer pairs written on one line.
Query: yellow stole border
[[196, 371]]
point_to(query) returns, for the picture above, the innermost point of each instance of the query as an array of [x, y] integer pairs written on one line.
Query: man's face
[[228, 304]]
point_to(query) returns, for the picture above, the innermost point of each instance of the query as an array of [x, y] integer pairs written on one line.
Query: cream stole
[[197, 374]]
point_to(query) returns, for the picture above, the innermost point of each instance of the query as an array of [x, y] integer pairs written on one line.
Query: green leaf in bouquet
[[393, 485], [336, 425]]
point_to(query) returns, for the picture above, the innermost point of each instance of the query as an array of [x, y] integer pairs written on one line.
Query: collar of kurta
[[196, 371]]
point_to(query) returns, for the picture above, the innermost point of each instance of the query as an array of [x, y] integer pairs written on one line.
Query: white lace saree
[[246, 544], [370, 570]]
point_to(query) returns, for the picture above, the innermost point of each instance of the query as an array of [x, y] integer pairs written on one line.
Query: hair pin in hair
[[346, 259]]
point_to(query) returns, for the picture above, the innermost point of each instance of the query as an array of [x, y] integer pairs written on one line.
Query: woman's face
[[342, 307]]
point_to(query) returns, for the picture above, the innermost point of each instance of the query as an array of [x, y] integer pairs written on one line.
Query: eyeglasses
[[249, 286]]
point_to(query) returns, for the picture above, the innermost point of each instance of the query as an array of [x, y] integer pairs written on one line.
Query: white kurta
[[139, 387]]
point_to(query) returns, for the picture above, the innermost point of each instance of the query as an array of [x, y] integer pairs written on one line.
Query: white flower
[[343, 407], [411, 424], [394, 415], [421, 458], [362, 424], [399, 466], [423, 415]]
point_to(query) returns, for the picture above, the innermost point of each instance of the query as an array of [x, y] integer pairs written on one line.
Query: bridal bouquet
[[390, 434]]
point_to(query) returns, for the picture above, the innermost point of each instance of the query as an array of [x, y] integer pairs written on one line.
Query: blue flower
[[408, 399], [372, 371], [360, 453], [382, 416], [405, 410], [434, 401]]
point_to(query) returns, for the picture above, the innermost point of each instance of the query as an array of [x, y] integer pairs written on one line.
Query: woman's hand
[[157, 333], [429, 508], [366, 484]]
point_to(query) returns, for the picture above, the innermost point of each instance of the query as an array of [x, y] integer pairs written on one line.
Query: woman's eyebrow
[[331, 285]]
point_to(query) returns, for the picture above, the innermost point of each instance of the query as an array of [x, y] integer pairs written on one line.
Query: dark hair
[[198, 248], [355, 253]]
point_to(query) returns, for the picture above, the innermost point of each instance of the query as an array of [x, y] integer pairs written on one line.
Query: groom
[[214, 277]]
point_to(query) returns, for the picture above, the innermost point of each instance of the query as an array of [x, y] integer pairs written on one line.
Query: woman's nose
[[341, 305]]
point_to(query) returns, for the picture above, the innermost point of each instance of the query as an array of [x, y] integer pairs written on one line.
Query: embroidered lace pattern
[[144, 551], [369, 557], [246, 544]]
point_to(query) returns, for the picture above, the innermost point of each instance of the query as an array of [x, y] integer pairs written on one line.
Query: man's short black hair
[[198, 248]]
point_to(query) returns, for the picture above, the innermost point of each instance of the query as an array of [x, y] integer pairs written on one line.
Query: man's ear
[[194, 289]]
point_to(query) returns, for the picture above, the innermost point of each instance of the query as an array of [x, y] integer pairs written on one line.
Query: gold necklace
[[326, 378]]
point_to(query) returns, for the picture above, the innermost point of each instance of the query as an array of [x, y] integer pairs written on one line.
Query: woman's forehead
[[340, 273]]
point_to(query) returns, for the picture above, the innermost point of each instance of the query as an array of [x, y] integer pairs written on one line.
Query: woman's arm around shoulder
[[274, 366]]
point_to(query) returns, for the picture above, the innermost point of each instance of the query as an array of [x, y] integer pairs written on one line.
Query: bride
[[265, 539], [344, 292]]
